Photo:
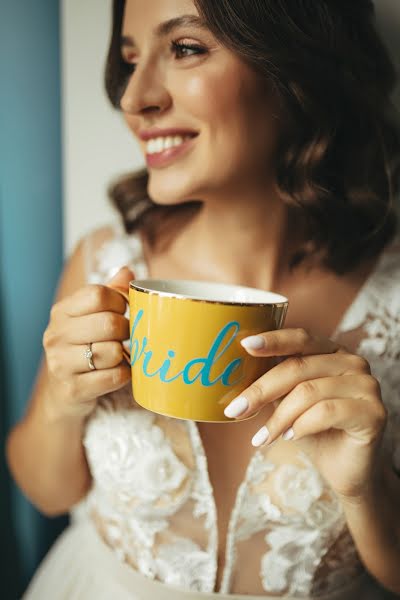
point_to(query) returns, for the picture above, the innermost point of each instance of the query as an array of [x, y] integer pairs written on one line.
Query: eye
[[181, 49]]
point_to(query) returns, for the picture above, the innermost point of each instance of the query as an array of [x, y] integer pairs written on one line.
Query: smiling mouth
[[163, 151]]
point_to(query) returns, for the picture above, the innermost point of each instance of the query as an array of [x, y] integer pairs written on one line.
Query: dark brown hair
[[338, 156]]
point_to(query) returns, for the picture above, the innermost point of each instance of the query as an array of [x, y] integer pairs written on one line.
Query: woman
[[272, 157]]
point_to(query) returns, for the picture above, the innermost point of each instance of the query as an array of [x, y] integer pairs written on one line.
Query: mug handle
[[125, 295]]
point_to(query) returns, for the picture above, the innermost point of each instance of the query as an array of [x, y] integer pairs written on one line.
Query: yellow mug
[[185, 353]]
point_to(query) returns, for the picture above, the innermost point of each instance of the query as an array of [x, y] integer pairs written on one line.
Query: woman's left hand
[[328, 399]]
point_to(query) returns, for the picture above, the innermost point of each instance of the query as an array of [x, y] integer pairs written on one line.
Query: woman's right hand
[[93, 314]]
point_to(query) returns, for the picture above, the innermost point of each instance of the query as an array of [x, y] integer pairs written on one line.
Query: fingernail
[[253, 342], [116, 272], [236, 407], [260, 437], [289, 434]]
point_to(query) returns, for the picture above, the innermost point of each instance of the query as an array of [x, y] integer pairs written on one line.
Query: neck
[[240, 237]]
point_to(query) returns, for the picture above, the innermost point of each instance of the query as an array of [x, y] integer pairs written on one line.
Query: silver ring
[[89, 356]]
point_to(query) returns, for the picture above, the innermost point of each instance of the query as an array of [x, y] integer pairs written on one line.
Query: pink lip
[[164, 158]]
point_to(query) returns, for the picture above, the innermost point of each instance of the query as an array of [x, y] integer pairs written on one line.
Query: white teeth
[[168, 142], [163, 143]]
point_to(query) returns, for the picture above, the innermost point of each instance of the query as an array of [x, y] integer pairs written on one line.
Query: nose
[[145, 91]]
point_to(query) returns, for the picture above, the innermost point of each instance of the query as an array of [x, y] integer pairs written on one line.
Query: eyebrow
[[165, 28]]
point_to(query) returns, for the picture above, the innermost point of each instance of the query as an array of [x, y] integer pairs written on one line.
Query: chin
[[171, 189]]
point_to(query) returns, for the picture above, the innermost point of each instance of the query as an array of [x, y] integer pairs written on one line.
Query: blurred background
[[60, 146]]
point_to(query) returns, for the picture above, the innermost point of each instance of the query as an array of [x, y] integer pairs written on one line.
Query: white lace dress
[[148, 527]]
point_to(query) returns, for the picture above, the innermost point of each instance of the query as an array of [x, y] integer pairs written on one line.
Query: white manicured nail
[[253, 342], [260, 437], [236, 407], [289, 434]]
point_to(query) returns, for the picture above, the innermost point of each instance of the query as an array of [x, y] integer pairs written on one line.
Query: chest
[[228, 450]]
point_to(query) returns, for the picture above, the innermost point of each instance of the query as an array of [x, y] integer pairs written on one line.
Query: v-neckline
[[197, 442], [201, 457]]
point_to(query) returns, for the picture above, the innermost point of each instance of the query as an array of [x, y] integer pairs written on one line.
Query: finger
[[285, 342], [350, 388], [98, 327], [88, 300], [350, 415], [284, 377], [103, 381], [72, 360], [120, 282], [122, 278], [106, 355]]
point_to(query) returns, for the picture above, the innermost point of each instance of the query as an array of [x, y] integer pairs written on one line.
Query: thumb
[[122, 278]]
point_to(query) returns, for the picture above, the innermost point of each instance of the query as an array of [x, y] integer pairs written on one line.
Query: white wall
[[97, 144]]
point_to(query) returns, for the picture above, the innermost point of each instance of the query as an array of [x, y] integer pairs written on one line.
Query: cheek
[[205, 98], [231, 110], [132, 122]]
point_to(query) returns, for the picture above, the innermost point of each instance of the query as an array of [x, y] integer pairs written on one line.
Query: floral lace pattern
[[152, 500], [139, 483]]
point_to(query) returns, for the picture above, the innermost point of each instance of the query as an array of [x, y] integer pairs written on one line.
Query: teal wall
[[30, 246]]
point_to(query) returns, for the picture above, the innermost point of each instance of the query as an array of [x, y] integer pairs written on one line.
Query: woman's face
[[205, 90]]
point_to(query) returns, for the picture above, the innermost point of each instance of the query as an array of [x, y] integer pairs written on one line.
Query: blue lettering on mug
[[189, 375]]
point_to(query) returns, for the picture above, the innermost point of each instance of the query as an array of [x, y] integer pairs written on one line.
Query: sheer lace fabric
[[152, 501]]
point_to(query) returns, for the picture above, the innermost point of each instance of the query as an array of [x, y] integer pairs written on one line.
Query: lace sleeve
[[108, 249], [92, 243]]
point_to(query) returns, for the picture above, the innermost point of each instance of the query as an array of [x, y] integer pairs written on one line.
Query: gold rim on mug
[[181, 296]]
